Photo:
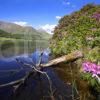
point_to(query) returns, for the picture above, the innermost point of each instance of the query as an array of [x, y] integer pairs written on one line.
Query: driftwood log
[[66, 58]]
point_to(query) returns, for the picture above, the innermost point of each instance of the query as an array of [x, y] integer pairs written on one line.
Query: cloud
[[48, 28], [58, 17], [66, 2], [21, 23]]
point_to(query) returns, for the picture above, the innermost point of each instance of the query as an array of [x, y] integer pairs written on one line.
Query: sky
[[39, 13]]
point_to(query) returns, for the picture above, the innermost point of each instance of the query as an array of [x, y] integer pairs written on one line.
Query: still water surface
[[36, 87]]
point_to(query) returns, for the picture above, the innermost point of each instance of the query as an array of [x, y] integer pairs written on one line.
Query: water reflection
[[36, 87]]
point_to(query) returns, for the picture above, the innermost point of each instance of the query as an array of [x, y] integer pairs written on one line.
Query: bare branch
[[67, 58]]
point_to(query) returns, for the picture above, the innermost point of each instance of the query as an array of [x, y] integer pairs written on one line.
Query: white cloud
[[48, 28], [21, 23], [66, 2], [58, 17]]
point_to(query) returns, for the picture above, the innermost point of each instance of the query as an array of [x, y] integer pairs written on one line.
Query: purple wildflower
[[96, 16], [91, 68]]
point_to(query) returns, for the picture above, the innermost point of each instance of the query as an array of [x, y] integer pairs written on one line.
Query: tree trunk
[[66, 58]]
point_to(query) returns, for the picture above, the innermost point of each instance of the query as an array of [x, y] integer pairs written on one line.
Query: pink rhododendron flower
[[92, 68]]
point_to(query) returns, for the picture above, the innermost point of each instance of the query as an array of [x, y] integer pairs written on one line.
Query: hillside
[[78, 31]]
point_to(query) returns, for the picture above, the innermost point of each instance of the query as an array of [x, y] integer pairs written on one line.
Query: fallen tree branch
[[13, 83], [67, 58]]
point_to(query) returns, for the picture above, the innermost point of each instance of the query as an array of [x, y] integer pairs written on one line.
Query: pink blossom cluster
[[96, 16], [92, 68]]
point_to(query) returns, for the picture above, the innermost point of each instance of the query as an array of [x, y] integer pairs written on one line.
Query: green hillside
[[78, 31]]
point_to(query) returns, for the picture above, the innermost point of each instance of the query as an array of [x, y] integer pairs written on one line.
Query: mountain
[[44, 33], [17, 29], [41, 30], [22, 36]]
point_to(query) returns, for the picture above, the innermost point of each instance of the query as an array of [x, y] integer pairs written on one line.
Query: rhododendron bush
[[91, 73]]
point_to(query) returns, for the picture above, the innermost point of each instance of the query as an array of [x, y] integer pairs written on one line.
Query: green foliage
[[93, 55], [10, 35], [91, 80], [78, 31]]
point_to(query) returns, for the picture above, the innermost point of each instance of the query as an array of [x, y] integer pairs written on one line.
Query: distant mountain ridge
[[23, 37], [17, 29]]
